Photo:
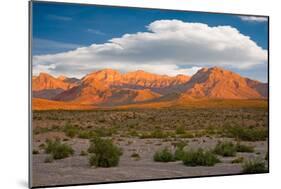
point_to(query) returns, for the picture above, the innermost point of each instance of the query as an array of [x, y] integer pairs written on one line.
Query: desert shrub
[[104, 132], [86, 134], [200, 133], [105, 153], [135, 156], [70, 130], [213, 130], [247, 134], [225, 149], [244, 148], [49, 159], [144, 135], [164, 155], [187, 135], [93, 160], [179, 154], [199, 158], [50, 145], [133, 133], [238, 160], [58, 150], [158, 134], [180, 130], [62, 151], [179, 144], [254, 166]]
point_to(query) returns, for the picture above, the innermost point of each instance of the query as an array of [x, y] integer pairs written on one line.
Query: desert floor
[[142, 132]]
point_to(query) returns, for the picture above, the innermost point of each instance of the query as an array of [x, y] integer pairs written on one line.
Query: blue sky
[[60, 28]]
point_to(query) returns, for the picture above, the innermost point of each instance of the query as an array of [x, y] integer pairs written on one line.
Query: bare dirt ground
[[76, 169]]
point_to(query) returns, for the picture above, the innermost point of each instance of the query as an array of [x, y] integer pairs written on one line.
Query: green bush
[[164, 155], [199, 158], [86, 134], [50, 145], [35, 152], [93, 160], [70, 130], [225, 149], [179, 144], [58, 150], [144, 135], [62, 151], [254, 166], [104, 132], [244, 148], [247, 134], [158, 134], [133, 133], [105, 153], [180, 130], [188, 135], [179, 154]]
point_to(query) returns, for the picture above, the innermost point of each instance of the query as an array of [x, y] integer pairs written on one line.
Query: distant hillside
[[109, 88]]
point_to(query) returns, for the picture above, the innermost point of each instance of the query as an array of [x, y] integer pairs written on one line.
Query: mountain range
[[108, 88]]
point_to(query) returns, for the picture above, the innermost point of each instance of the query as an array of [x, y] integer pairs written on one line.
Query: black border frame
[[30, 63]]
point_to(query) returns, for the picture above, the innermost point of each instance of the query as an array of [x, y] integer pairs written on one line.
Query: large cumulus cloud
[[169, 47]]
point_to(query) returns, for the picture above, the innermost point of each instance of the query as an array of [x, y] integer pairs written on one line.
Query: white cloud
[[93, 31], [60, 18], [169, 47], [253, 18]]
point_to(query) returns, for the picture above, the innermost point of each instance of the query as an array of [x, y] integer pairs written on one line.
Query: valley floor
[[142, 132], [75, 169]]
